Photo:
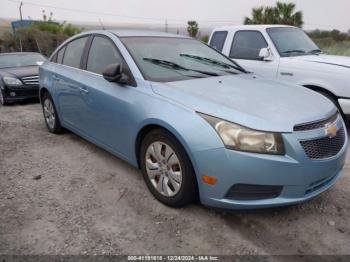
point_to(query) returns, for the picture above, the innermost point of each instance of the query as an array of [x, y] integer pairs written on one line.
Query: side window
[[74, 51], [60, 54], [247, 45], [218, 40], [102, 53]]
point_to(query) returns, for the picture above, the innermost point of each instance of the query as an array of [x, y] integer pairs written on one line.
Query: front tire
[[167, 169], [50, 115], [2, 98]]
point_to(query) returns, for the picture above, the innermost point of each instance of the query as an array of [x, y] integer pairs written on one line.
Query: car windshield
[[166, 59], [19, 60], [292, 41]]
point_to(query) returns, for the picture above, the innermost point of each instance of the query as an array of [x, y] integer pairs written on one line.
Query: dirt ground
[[63, 195]]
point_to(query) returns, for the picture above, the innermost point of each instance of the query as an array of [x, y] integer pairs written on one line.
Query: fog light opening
[[12, 94]]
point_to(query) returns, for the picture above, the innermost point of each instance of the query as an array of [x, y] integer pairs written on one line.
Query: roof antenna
[[103, 27]]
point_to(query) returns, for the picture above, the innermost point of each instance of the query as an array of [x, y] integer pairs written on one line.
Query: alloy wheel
[[49, 112], [163, 168]]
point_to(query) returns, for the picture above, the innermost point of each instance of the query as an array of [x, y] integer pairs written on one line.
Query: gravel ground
[[63, 195]]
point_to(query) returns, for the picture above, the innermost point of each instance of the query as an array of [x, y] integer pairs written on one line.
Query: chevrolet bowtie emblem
[[331, 131]]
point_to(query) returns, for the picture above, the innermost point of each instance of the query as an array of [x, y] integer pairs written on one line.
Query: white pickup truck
[[286, 53]]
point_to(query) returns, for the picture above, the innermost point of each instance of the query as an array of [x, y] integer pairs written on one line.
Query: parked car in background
[[286, 53], [19, 78], [195, 122]]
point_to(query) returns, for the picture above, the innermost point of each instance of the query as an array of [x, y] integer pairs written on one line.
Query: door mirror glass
[[265, 54], [114, 73]]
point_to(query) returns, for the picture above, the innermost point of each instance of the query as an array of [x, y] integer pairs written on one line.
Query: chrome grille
[[30, 80], [317, 124], [324, 147]]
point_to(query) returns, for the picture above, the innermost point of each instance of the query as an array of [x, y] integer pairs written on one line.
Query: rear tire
[[167, 169], [50, 115]]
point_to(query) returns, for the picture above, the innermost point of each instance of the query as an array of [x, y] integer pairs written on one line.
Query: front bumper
[[20, 93], [299, 177]]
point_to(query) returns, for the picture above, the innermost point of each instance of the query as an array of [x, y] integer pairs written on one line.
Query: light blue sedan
[[196, 123]]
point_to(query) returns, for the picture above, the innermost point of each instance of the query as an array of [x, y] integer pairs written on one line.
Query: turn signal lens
[[210, 180]]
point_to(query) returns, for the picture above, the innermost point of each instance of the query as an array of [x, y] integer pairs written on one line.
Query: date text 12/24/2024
[[172, 258]]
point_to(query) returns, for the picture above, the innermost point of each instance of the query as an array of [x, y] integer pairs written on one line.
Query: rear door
[[245, 49], [67, 83]]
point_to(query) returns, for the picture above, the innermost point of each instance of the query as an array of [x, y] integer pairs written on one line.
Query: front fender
[[191, 130]]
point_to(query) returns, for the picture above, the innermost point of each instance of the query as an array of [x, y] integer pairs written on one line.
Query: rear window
[[218, 40]]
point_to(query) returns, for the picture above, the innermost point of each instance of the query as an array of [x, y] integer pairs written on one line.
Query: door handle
[[84, 90]]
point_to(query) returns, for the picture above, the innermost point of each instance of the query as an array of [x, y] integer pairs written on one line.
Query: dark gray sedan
[[19, 76]]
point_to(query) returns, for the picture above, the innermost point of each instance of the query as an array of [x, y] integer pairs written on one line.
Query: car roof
[[129, 33], [134, 33], [20, 53], [250, 27]]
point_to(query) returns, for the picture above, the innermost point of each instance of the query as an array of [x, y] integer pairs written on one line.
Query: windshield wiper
[[216, 62], [294, 51], [175, 66], [315, 51]]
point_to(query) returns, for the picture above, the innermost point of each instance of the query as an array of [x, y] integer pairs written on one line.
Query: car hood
[[342, 61], [249, 100], [20, 71]]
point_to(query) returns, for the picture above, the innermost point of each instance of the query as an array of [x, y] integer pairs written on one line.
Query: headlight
[[241, 138], [11, 81]]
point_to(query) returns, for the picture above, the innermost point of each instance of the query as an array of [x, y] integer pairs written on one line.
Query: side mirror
[[265, 54], [114, 73]]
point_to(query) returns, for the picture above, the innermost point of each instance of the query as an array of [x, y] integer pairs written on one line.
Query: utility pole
[[20, 11], [20, 14], [166, 26]]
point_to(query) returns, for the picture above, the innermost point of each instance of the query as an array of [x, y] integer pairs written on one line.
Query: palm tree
[[192, 28], [282, 13], [287, 15], [262, 15]]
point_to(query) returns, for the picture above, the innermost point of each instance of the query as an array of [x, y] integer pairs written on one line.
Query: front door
[[245, 49], [106, 105]]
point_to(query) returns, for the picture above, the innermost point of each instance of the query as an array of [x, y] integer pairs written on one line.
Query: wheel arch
[[330, 95], [318, 88], [42, 91], [146, 128]]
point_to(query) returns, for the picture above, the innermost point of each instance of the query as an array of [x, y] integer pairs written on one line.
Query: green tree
[[192, 28], [42, 36], [282, 13], [205, 39]]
